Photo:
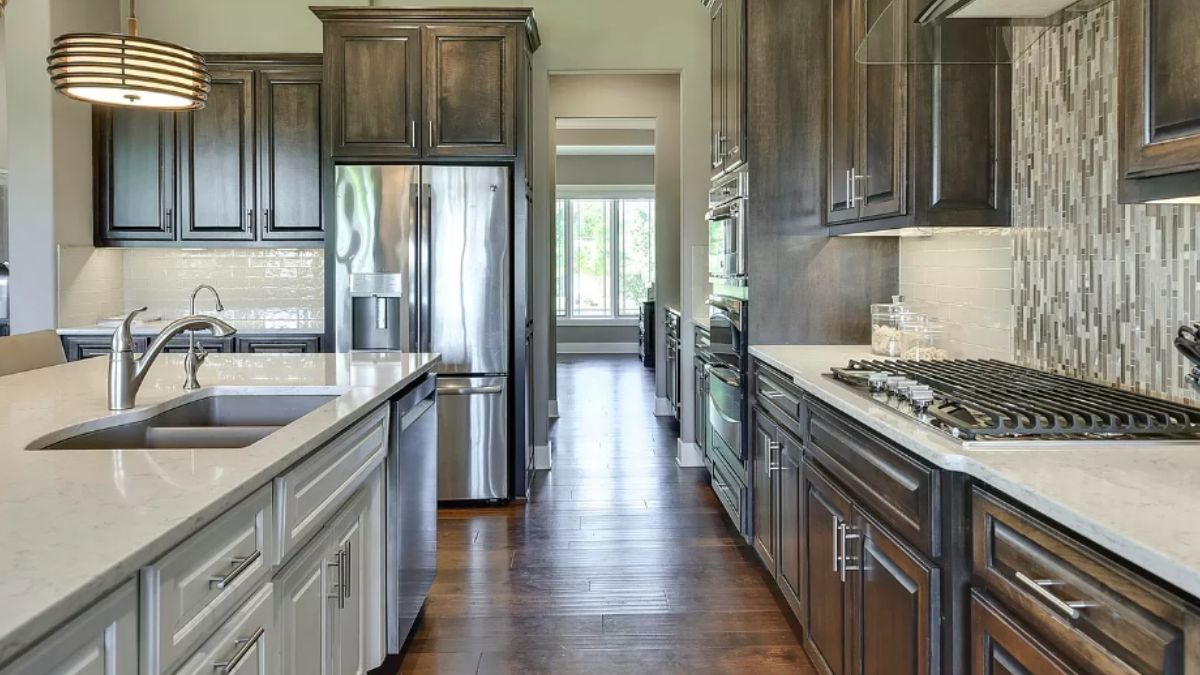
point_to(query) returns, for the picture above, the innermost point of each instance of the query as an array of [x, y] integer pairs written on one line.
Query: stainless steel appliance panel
[[465, 263], [375, 238], [726, 407], [411, 510], [473, 435], [727, 230]]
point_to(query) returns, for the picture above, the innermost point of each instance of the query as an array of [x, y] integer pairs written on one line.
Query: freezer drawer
[[472, 438]]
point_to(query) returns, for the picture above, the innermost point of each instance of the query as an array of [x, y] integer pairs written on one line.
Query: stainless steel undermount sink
[[214, 421]]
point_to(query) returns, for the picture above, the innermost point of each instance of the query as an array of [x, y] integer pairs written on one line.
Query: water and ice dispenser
[[379, 312]]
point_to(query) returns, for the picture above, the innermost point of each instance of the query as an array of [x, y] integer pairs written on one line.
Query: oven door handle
[[714, 369], [724, 211]]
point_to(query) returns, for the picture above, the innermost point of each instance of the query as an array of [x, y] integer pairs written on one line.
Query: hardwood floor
[[621, 562]]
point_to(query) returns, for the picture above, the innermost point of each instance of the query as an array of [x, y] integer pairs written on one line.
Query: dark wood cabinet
[[216, 161], [765, 492], [1159, 62], [134, 166], [277, 344], [827, 513], [216, 345], [245, 170], [728, 82], [1001, 646], [470, 90], [375, 71], [290, 161], [76, 347], [913, 135], [789, 513]]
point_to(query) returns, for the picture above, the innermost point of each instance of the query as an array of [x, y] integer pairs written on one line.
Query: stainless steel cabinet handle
[[336, 592], [837, 544], [349, 570], [1039, 587], [467, 391], [240, 564], [847, 535], [431, 133], [772, 468], [412, 138], [249, 219], [244, 645], [169, 220], [266, 214]]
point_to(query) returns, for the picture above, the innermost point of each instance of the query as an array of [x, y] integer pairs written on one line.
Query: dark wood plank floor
[[621, 562]]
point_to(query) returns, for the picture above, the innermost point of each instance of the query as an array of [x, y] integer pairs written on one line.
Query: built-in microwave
[[727, 229]]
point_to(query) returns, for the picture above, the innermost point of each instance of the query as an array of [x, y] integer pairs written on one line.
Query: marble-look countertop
[[76, 524], [702, 321], [246, 327], [1139, 502]]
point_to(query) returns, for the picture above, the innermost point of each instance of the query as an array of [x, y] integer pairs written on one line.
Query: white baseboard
[[553, 414], [662, 407], [597, 347], [542, 456], [688, 454]]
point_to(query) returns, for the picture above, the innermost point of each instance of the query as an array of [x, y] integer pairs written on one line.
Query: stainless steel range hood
[[991, 9]]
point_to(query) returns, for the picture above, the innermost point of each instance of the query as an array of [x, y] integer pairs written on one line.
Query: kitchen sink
[[215, 421]]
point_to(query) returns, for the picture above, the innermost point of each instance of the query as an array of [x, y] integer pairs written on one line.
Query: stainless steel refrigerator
[[422, 264]]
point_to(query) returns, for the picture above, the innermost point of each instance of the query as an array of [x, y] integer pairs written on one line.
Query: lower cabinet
[[765, 493], [871, 599], [88, 346], [101, 641], [330, 609], [247, 643], [778, 473], [1000, 645], [77, 347], [290, 344]]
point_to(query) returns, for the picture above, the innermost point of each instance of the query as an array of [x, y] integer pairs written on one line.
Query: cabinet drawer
[[899, 489], [1000, 645], [776, 394], [729, 490], [1091, 609], [192, 589], [245, 644], [308, 494]]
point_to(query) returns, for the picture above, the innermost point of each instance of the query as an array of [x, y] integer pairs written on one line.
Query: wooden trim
[[262, 59], [522, 15]]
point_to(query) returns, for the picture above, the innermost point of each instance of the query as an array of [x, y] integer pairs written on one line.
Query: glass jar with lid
[[887, 318], [923, 339]]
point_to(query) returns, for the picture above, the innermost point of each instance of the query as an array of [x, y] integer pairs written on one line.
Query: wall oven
[[727, 406], [727, 230]]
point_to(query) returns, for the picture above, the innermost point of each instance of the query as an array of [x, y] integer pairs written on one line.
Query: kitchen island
[[78, 525]]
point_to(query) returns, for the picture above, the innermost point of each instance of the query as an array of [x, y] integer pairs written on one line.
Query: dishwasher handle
[[450, 390]]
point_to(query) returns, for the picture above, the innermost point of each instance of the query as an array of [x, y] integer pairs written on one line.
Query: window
[[604, 256]]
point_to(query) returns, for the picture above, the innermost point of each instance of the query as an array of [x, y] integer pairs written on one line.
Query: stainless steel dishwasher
[[412, 498]]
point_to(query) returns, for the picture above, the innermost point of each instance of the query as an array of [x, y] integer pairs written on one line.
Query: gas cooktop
[[986, 403]]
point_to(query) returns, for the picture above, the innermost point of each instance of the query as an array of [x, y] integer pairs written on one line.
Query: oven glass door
[[725, 234]]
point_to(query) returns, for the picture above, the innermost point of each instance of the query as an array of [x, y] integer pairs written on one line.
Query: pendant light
[[128, 70]]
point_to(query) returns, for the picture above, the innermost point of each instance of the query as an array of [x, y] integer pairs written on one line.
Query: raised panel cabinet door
[[717, 140], [843, 115], [217, 161], [1159, 64], [306, 596], [764, 490], [735, 83], [880, 171], [299, 344], [470, 90], [101, 641], [791, 525], [827, 511], [288, 106], [894, 597], [1001, 646], [134, 174], [373, 71]]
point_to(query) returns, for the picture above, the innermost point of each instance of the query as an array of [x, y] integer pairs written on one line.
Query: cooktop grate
[[988, 398]]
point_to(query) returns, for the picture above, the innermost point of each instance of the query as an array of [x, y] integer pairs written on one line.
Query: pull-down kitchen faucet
[[125, 372], [197, 353]]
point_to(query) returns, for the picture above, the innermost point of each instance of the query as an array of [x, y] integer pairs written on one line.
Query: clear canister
[[887, 319], [923, 339]]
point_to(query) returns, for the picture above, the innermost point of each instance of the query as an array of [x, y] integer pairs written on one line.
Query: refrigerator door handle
[[415, 315], [444, 390], [426, 281]]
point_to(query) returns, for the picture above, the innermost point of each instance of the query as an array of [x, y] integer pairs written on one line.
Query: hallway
[[620, 563]]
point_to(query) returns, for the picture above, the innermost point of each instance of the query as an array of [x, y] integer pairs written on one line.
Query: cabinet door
[[826, 512], [1159, 101], [306, 603], [843, 106], [765, 488], [292, 344], [1001, 646], [880, 170], [134, 174], [717, 84], [469, 93], [893, 596], [101, 641], [735, 83], [288, 106], [374, 72], [86, 347], [357, 537], [788, 514], [217, 161]]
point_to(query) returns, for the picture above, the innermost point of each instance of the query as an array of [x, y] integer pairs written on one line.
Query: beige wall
[[604, 170]]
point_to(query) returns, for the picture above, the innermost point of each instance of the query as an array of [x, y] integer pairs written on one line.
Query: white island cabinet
[[101, 641]]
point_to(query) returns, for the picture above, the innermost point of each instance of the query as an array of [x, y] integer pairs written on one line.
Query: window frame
[[615, 198]]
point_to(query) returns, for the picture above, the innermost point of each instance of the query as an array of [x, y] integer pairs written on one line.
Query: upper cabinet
[[245, 170], [1159, 101], [431, 84], [728, 42], [910, 140]]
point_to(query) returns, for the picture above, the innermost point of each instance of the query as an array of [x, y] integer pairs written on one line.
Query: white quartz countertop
[[75, 524], [1140, 503], [246, 327]]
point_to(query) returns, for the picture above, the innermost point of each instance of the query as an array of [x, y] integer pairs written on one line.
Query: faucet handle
[[122, 339]]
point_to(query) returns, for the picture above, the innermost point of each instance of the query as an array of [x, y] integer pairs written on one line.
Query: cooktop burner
[[987, 400]]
